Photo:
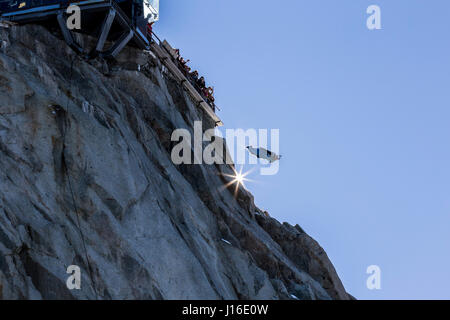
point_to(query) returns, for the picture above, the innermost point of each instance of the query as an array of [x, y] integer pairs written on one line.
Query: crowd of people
[[198, 82]]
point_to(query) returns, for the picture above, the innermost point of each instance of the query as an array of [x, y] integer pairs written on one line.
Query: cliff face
[[86, 179]]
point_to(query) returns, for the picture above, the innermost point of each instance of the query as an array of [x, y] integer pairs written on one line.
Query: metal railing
[[187, 75]]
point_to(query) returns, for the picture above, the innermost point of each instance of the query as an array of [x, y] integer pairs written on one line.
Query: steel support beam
[[105, 29], [67, 34], [119, 44]]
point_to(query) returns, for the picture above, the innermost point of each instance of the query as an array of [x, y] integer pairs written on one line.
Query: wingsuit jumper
[[264, 154]]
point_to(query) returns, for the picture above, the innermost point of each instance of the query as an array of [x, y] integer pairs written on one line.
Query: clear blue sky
[[363, 118]]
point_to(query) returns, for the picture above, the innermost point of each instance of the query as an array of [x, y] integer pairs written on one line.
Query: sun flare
[[238, 179]]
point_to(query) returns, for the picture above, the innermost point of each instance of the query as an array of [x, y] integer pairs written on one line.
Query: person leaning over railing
[[183, 66], [187, 70], [193, 76]]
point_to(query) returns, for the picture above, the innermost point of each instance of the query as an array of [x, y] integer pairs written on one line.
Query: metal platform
[[117, 26], [165, 52], [120, 25]]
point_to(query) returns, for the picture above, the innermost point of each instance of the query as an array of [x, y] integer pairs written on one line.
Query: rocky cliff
[[86, 179]]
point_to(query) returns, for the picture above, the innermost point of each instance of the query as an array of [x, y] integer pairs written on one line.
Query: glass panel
[[151, 10]]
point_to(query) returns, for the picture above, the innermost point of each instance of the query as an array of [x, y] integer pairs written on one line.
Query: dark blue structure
[[118, 21]]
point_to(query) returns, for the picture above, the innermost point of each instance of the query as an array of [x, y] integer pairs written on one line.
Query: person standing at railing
[[201, 83], [194, 76], [183, 66], [210, 97], [177, 54], [150, 31]]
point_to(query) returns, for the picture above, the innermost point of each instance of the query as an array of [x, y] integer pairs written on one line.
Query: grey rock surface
[[86, 179]]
